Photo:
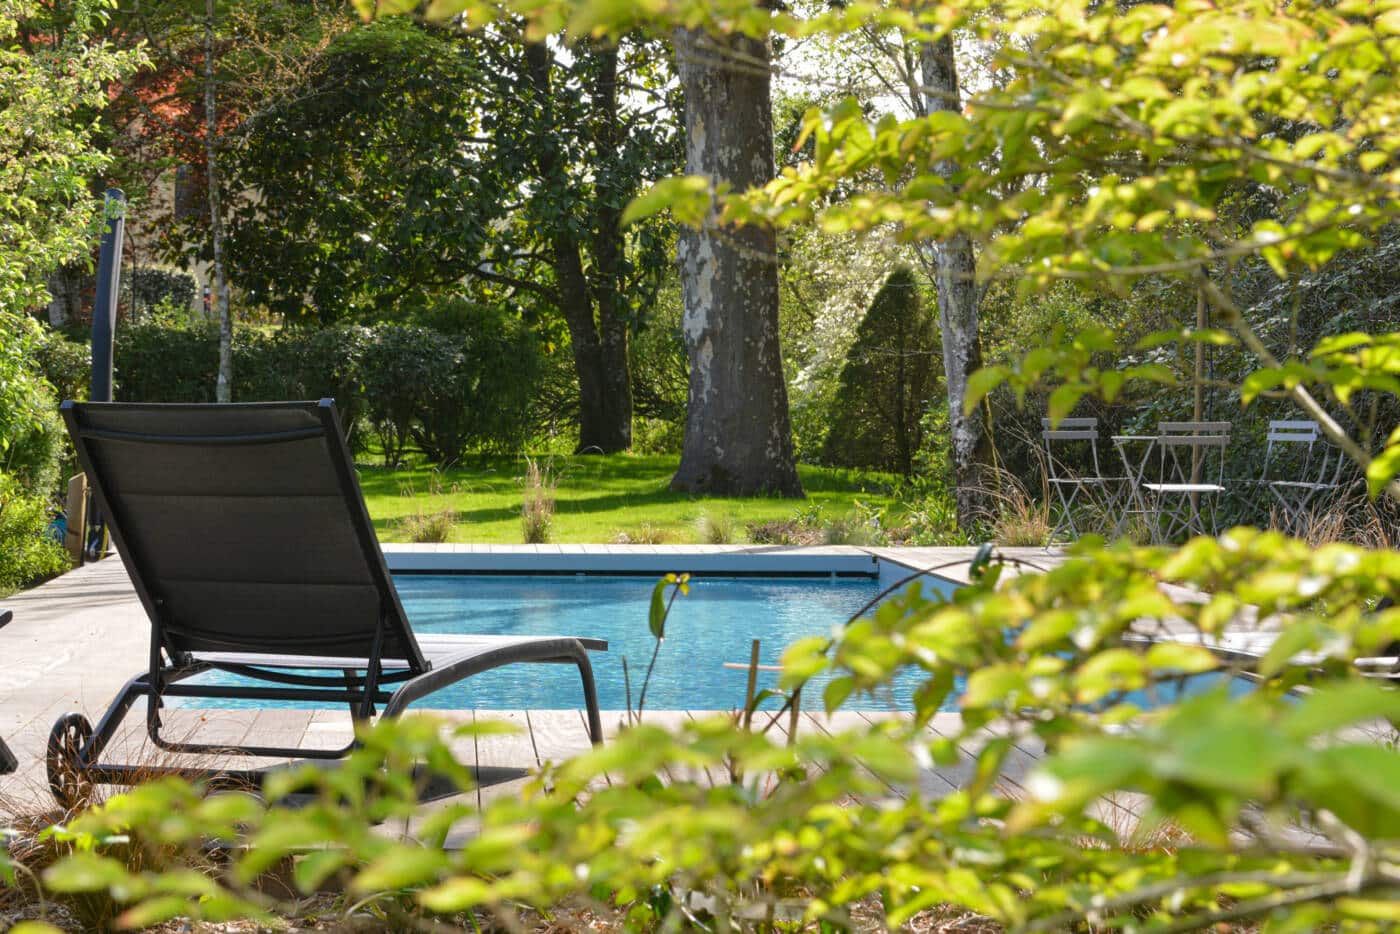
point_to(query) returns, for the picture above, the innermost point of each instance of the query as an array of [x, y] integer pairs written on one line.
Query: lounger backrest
[[242, 527]]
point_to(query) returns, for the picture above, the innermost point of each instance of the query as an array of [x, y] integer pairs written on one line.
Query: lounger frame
[[362, 683]]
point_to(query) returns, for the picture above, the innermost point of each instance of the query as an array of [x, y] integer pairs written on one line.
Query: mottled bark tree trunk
[[738, 439], [223, 389], [955, 272], [592, 306]]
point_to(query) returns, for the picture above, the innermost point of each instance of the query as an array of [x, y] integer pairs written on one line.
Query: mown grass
[[595, 498]]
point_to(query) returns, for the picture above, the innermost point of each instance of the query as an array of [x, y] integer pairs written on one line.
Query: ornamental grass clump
[[715, 528], [537, 510], [422, 527]]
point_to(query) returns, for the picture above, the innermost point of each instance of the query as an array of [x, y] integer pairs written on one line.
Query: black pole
[[104, 309], [104, 326]]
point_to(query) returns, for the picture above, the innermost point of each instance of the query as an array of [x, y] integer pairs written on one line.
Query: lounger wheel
[[67, 779]]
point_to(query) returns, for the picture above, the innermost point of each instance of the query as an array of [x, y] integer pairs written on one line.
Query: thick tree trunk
[[738, 440], [592, 309], [955, 272], [614, 419], [223, 389]]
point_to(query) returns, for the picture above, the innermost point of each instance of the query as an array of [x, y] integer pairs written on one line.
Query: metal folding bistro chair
[[8, 762], [1190, 476], [1075, 436], [248, 543], [1311, 464]]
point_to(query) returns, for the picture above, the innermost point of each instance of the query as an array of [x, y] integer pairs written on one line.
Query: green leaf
[[1383, 469], [35, 927], [1259, 381], [156, 910], [982, 382], [1177, 656], [457, 894], [1336, 706], [656, 616], [1063, 400], [687, 196], [836, 692], [400, 867], [313, 869], [86, 872]]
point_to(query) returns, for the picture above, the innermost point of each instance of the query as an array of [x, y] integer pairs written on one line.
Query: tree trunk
[[66, 295], [738, 440], [223, 391], [592, 310], [955, 271], [614, 420]]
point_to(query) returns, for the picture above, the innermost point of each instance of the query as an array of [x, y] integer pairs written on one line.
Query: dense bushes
[[31, 436], [466, 386], [32, 444], [27, 553], [151, 287]]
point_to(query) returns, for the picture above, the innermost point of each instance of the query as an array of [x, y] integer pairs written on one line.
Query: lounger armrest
[[5, 617]]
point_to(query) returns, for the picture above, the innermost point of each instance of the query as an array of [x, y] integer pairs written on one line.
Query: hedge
[[445, 392]]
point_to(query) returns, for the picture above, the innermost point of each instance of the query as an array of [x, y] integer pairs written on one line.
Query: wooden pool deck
[[77, 639]]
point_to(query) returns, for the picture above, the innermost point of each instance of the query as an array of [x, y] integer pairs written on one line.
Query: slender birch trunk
[[955, 269], [224, 388]]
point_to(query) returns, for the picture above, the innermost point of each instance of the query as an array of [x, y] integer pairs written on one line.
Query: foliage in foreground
[[1279, 805]]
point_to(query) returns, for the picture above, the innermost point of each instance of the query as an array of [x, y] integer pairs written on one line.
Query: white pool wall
[[747, 560]]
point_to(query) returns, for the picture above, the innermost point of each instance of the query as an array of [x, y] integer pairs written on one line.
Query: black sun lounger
[[8, 762], [245, 535]]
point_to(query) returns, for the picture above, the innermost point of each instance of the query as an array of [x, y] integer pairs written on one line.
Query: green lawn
[[596, 498]]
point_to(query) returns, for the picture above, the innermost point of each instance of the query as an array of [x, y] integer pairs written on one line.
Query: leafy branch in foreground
[[1283, 803]]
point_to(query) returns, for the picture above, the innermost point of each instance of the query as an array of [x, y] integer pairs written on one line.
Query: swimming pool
[[714, 624]]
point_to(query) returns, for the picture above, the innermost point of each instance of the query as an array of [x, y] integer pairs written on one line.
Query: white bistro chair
[[1301, 468], [1190, 478], [1072, 441]]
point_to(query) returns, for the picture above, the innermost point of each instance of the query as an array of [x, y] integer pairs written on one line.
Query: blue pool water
[[714, 624]]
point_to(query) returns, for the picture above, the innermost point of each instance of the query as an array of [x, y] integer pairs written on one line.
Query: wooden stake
[[753, 677], [75, 517]]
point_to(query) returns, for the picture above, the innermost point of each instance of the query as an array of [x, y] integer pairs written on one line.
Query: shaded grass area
[[596, 498]]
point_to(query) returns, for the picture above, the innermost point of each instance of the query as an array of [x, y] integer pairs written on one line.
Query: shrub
[[707, 805], [152, 288], [31, 434], [155, 363], [27, 552], [860, 528], [483, 400], [657, 436], [66, 364], [782, 532], [400, 371], [446, 391], [887, 382]]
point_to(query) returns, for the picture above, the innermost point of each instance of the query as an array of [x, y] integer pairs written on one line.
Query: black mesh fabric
[[238, 546]]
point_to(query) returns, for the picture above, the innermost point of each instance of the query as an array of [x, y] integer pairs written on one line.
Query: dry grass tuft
[[537, 511], [644, 534], [423, 527], [1351, 518], [1016, 518], [712, 529]]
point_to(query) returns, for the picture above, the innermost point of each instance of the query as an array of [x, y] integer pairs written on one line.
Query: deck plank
[[504, 762]]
